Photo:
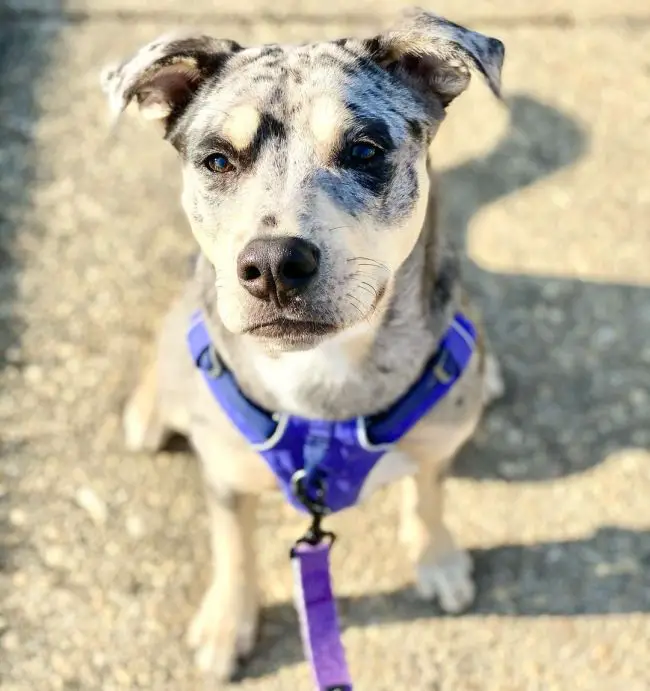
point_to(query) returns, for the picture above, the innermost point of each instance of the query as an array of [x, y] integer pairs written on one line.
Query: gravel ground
[[104, 555]]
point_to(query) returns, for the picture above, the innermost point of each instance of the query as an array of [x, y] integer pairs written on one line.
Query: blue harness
[[324, 463]]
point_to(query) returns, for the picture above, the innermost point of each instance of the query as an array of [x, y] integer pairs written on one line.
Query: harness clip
[[316, 507]]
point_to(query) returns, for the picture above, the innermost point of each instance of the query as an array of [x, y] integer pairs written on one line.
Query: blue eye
[[218, 163], [363, 151]]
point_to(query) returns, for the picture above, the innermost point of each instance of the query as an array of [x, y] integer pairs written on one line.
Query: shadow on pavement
[[24, 52], [570, 349], [608, 573]]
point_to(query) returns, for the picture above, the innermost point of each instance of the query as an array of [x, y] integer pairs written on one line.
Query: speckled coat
[[266, 137]]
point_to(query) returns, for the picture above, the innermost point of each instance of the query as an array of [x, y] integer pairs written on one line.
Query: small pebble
[[54, 556], [17, 517], [94, 505], [33, 374], [10, 641], [135, 526]]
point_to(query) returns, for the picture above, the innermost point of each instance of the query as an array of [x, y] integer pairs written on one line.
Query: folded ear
[[165, 75], [435, 55]]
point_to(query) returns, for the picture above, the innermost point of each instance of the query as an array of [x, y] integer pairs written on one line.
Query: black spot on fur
[[270, 130], [373, 46], [415, 129], [445, 281], [270, 221], [271, 127], [270, 49], [399, 206], [261, 79], [375, 180]]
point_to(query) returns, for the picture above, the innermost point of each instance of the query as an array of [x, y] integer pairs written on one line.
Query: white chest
[[291, 376]]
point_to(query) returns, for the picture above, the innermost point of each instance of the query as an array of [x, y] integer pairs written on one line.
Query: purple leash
[[316, 607]]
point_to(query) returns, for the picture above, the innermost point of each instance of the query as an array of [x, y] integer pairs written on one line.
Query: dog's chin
[[288, 335]]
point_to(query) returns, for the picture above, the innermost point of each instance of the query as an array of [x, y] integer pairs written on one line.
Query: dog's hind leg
[[142, 420], [159, 405]]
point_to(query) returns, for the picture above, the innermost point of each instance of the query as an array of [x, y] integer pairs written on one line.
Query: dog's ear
[[435, 56], [164, 75]]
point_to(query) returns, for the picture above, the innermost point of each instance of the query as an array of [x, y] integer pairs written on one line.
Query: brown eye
[[218, 163]]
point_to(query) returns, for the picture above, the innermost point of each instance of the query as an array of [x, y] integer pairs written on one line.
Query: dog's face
[[305, 176]]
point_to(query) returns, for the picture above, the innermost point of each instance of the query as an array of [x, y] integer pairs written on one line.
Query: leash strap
[[319, 625]]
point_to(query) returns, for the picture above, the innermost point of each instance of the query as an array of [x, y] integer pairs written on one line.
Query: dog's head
[[304, 167]]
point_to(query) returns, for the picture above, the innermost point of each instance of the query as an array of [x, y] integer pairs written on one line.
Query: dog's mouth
[[291, 330]]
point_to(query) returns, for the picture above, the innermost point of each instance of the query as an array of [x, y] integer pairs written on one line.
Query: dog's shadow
[[570, 351], [547, 579]]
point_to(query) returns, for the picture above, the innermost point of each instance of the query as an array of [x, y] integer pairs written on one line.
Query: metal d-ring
[[316, 507]]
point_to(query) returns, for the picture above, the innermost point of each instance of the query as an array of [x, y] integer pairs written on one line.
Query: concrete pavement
[[103, 556]]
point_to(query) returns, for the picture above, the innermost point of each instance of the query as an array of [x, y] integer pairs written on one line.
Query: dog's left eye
[[218, 163], [363, 151]]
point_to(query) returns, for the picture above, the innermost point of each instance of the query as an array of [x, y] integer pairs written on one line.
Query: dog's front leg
[[225, 627], [443, 571]]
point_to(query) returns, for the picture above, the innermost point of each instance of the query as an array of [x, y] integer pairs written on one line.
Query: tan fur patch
[[156, 111], [327, 120], [241, 125]]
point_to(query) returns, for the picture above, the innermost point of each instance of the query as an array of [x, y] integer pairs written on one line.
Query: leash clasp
[[316, 507]]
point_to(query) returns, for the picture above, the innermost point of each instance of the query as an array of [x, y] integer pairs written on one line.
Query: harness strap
[[255, 424], [383, 429], [439, 376]]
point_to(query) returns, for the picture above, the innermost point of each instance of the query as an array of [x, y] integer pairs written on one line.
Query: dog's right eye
[[218, 163]]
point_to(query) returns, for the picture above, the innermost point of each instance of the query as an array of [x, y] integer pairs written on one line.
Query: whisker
[[361, 286], [369, 277], [367, 311], [368, 259], [357, 309], [372, 288], [354, 297], [383, 267]]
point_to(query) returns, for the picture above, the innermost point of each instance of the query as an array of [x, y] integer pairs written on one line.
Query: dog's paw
[[449, 579], [222, 634], [493, 384]]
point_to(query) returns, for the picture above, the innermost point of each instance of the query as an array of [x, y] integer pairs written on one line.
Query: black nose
[[277, 269]]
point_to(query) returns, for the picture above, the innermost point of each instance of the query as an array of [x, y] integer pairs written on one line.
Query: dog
[[324, 279]]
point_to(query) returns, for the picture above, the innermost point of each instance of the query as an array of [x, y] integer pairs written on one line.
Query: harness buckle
[[210, 362], [445, 368]]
